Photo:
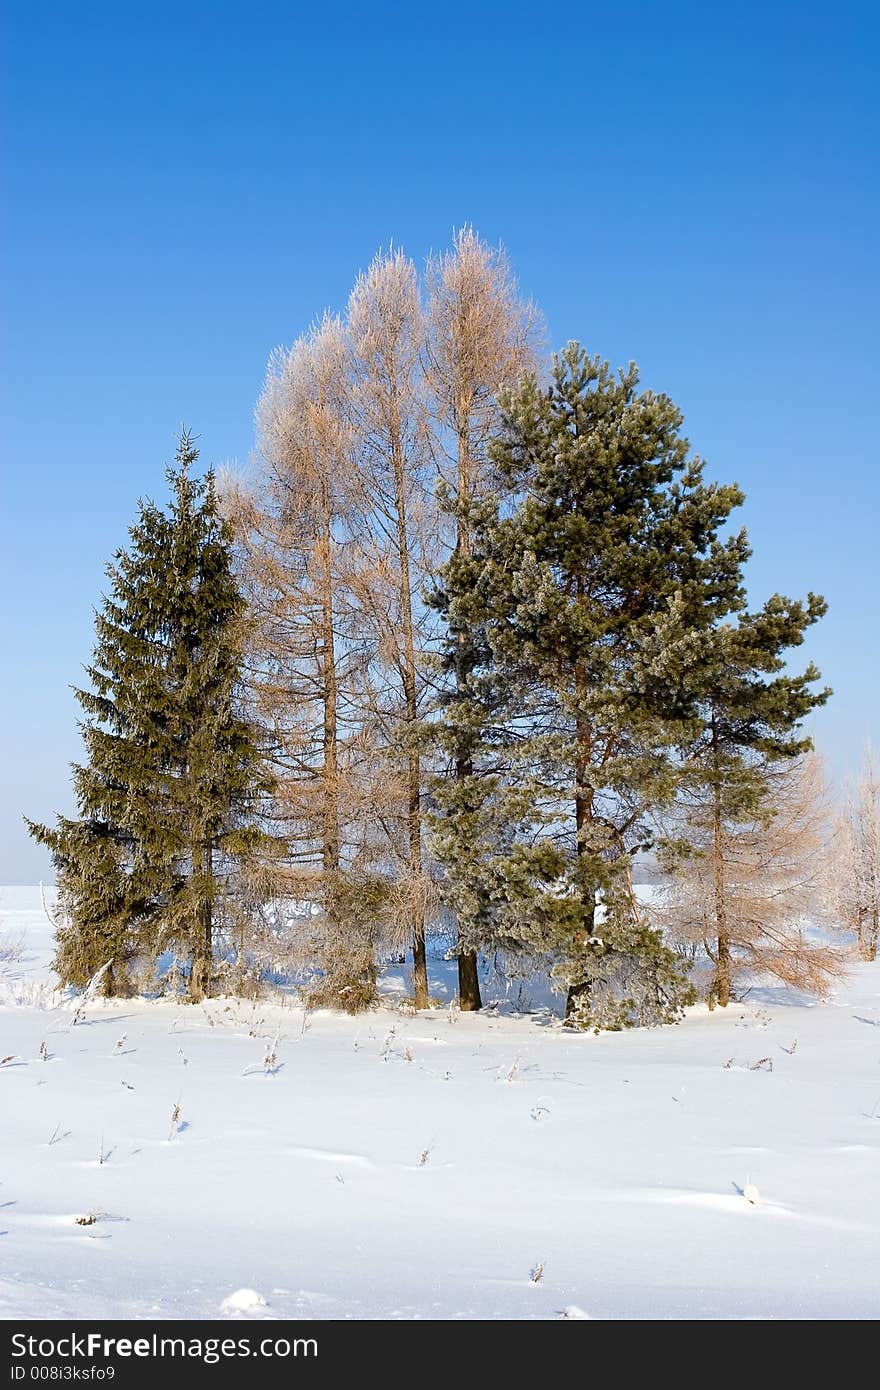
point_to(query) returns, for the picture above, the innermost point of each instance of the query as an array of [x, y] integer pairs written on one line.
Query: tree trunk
[[580, 991], [720, 991], [468, 982], [583, 810], [349, 962], [469, 997], [203, 948], [869, 930], [330, 835], [421, 998], [721, 983]]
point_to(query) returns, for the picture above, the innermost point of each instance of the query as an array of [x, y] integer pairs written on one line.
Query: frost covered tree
[[340, 533], [169, 799], [296, 524], [602, 560], [748, 713], [386, 329], [857, 860], [480, 339], [749, 891]]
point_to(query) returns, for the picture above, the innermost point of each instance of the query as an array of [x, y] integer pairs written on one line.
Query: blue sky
[[186, 186]]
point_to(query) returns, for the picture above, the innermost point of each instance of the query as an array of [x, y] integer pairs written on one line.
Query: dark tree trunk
[[469, 997], [330, 837], [468, 982], [720, 991], [468, 975], [583, 810], [203, 950], [869, 931], [574, 996], [721, 982], [580, 990], [421, 998]]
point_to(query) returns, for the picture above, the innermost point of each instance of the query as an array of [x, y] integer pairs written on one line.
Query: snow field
[[433, 1166]]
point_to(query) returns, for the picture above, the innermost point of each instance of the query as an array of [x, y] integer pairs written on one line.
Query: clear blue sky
[[694, 186]]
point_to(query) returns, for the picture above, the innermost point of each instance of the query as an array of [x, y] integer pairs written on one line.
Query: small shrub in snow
[[11, 947], [175, 1120], [270, 1058]]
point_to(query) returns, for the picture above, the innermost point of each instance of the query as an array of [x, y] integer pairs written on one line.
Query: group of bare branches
[[787, 879], [857, 860], [372, 443]]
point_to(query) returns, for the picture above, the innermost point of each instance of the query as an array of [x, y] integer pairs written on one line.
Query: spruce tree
[[169, 796], [573, 616]]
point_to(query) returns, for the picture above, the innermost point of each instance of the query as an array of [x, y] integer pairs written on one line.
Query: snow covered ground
[[397, 1166]]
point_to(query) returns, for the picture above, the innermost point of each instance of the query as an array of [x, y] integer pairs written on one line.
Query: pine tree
[[169, 797], [748, 714], [574, 610]]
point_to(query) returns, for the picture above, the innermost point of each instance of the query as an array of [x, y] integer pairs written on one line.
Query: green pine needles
[[162, 855], [585, 636]]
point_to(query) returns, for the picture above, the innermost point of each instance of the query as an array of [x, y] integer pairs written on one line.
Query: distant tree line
[[469, 638]]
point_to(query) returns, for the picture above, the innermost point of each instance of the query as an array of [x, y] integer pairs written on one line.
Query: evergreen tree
[[569, 629], [748, 714], [169, 797]]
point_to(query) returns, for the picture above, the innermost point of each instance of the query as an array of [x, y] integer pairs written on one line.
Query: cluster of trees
[[467, 640]]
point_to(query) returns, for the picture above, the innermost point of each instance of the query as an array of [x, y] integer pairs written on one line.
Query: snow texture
[[433, 1166]]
